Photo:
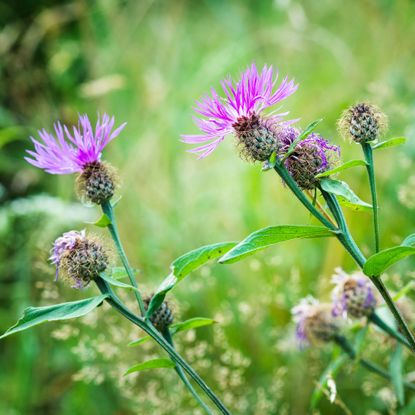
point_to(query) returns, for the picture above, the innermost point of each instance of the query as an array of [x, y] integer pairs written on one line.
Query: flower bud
[[353, 295], [311, 156], [78, 259], [362, 123], [163, 317], [315, 322], [96, 183], [256, 137]]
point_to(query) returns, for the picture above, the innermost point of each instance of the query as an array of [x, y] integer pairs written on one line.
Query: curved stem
[[159, 339], [167, 335], [109, 212], [368, 152], [367, 364], [375, 319], [289, 181]]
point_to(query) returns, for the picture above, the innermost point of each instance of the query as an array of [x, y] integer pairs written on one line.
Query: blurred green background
[[146, 62]]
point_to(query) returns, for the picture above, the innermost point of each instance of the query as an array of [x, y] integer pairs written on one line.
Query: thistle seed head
[[353, 295], [97, 182], [79, 259], [163, 317], [256, 137], [315, 322], [362, 123]]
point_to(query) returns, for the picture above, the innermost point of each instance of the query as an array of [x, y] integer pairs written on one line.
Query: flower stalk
[[115, 302], [368, 153]]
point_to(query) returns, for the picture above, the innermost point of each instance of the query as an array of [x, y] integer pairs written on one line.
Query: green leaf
[[119, 273], [330, 372], [175, 328], [271, 235], [190, 324], [403, 291], [395, 369], [116, 283], [378, 263], [32, 316], [139, 341], [183, 266], [102, 222], [151, 364], [392, 142], [309, 129], [345, 166], [346, 196], [409, 240]]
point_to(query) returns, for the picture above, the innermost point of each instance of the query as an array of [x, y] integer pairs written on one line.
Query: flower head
[[362, 123], [315, 322], [241, 112], [163, 317], [67, 151], [311, 156], [353, 295], [79, 258]]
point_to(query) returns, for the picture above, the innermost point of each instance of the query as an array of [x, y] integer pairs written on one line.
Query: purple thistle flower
[[79, 258], [311, 156], [353, 295], [68, 151], [65, 243], [314, 322], [241, 112]]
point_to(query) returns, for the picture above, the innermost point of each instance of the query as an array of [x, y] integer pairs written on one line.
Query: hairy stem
[[167, 335], [160, 340], [368, 152], [109, 212]]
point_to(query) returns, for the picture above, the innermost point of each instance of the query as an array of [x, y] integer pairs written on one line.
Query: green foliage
[[151, 364], [183, 266], [396, 369], [392, 142], [342, 167], [34, 316], [345, 194], [272, 235], [380, 262]]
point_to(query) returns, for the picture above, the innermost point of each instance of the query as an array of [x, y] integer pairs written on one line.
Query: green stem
[[347, 240], [375, 319], [368, 152], [159, 339], [167, 335], [367, 364], [109, 212], [289, 181]]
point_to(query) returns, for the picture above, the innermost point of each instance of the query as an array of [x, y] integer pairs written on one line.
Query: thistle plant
[[81, 258], [306, 162]]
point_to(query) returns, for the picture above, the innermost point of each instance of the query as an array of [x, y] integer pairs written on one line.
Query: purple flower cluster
[[69, 151], [63, 244], [353, 295], [244, 101], [314, 322]]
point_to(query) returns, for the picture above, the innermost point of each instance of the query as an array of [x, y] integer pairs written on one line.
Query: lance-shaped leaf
[[272, 235], [345, 166], [151, 364], [183, 266], [175, 328], [380, 262], [116, 283], [346, 196], [392, 142], [395, 370], [32, 316], [103, 221]]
